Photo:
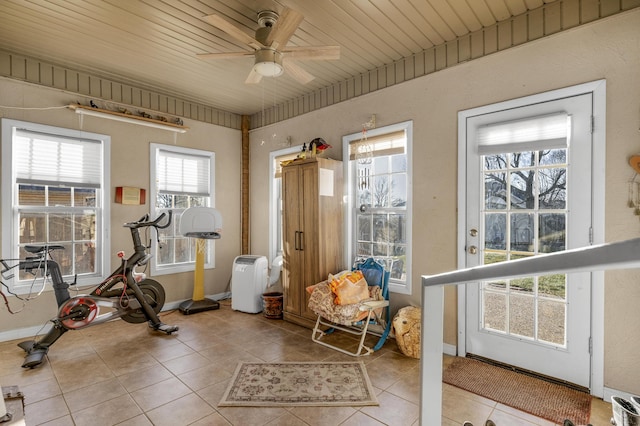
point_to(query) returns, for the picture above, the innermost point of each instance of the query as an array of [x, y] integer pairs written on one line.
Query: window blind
[[379, 145], [46, 159], [535, 133], [180, 173]]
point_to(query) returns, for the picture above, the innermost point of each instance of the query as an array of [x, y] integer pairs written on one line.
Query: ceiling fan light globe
[[268, 63], [268, 69]]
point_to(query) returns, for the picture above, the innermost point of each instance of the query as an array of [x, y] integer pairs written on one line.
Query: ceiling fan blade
[[284, 28], [224, 55], [253, 77], [313, 52], [296, 72], [235, 32]]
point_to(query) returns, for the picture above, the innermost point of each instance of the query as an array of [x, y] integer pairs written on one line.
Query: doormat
[[535, 396], [256, 384]]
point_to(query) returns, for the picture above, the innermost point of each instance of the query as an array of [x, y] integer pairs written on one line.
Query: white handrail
[[619, 255]]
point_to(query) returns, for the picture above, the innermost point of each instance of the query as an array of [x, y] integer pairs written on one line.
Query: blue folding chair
[[368, 316]]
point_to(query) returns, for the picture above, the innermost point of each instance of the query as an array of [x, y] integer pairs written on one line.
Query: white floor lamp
[[202, 223]]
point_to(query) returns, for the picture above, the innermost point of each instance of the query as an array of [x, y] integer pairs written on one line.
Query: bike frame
[[126, 268], [82, 311]]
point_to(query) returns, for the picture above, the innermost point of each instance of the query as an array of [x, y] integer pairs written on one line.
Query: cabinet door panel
[[309, 220], [290, 227]]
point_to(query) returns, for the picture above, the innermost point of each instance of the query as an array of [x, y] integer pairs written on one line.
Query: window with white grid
[[58, 189], [180, 178]]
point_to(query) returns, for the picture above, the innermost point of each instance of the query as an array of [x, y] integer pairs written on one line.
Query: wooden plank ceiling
[[153, 43]]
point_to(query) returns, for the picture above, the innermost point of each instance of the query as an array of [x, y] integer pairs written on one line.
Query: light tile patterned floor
[[124, 374]]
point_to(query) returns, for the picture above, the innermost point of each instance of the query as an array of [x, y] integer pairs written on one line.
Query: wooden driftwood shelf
[[115, 115]]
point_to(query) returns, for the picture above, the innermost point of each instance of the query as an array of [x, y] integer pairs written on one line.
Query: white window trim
[[10, 233], [153, 196], [273, 201], [406, 126]]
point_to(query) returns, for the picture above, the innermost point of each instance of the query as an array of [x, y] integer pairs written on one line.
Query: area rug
[[256, 384], [541, 398]]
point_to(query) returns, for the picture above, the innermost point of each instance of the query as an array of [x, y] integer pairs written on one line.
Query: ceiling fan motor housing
[[266, 21], [266, 18]]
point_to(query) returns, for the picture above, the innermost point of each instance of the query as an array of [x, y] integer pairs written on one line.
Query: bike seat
[[46, 247]]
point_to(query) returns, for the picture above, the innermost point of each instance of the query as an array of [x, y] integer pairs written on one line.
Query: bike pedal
[[165, 328]]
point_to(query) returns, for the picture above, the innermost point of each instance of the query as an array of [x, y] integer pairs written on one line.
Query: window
[[275, 228], [58, 186], [379, 200], [180, 178]]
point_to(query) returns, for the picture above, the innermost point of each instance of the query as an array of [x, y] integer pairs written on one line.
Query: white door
[[528, 192]]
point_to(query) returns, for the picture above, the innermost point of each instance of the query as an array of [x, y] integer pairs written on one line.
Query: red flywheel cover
[[83, 309]]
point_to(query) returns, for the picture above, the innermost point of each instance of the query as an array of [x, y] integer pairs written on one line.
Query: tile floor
[[124, 374]]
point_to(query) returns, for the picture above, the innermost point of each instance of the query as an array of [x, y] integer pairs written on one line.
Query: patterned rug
[[257, 384], [550, 401]]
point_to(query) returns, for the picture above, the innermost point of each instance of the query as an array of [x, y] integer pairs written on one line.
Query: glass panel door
[[523, 203]]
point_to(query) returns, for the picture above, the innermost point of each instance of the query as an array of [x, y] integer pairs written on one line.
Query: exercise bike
[[129, 294]]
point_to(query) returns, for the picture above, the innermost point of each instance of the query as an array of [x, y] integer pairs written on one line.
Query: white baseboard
[[26, 332], [448, 349], [38, 330]]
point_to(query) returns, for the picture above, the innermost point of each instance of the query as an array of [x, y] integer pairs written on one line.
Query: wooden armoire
[[312, 231]]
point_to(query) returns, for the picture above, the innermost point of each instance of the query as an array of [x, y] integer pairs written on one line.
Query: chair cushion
[[322, 302]]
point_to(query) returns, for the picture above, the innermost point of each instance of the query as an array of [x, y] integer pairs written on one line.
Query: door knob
[[473, 232], [473, 249]]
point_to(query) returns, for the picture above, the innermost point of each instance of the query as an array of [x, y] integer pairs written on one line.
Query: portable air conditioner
[[248, 283]]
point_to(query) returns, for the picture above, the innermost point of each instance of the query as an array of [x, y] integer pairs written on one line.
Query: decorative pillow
[[349, 288]]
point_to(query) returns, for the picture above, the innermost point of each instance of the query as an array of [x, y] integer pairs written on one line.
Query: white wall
[[607, 49], [130, 167]]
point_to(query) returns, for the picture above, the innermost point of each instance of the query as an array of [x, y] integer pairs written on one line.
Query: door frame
[[598, 90]]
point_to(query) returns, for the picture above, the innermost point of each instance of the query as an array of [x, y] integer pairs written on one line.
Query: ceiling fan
[[272, 56]]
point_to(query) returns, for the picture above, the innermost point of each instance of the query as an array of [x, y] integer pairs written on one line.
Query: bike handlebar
[[144, 222]]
